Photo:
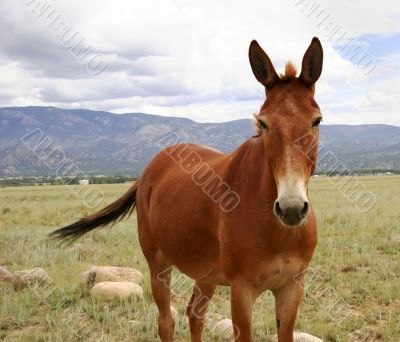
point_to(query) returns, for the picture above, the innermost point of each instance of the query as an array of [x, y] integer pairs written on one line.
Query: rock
[[135, 323], [303, 337], [109, 290], [36, 276], [76, 247], [175, 314], [224, 329], [98, 274], [5, 275]]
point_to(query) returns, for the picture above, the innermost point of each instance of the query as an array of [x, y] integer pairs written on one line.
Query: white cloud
[[190, 59]]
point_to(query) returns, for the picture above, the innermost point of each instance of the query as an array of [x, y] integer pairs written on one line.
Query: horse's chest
[[279, 271]]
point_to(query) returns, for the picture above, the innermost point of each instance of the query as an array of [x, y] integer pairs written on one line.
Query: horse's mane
[[290, 72]]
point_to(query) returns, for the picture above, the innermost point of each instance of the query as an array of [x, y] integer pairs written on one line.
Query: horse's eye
[[316, 122], [263, 125]]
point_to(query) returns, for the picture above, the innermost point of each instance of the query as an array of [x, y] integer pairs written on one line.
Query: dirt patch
[[348, 269], [5, 262], [22, 333]]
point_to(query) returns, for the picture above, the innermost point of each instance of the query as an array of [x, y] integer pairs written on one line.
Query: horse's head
[[288, 124]]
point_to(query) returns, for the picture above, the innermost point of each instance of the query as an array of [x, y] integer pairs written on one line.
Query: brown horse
[[241, 219]]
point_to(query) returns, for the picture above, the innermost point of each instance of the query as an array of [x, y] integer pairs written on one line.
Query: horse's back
[[177, 164]]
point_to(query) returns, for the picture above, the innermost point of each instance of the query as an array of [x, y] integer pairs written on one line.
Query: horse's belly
[[192, 250]]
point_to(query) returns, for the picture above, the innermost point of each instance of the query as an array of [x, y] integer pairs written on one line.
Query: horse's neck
[[249, 171]]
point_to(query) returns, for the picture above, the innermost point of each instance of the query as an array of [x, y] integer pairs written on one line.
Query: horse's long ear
[[261, 65], [311, 66]]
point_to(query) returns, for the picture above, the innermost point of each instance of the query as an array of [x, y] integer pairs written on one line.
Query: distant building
[[83, 181]]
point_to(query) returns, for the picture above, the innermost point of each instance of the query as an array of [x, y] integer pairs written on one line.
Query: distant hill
[[105, 143]]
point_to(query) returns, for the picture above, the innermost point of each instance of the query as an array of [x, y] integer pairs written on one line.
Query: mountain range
[[100, 142]]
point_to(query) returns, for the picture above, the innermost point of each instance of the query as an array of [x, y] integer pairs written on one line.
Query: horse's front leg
[[242, 300], [287, 300]]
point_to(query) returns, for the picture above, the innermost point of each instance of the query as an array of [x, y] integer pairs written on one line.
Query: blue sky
[[380, 46], [190, 59]]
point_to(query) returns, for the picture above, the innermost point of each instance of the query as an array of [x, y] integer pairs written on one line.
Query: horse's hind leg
[[160, 271], [197, 307]]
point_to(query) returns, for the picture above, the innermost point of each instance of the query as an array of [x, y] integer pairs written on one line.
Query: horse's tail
[[112, 213]]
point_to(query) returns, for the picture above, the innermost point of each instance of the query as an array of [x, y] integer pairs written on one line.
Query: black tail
[[112, 213]]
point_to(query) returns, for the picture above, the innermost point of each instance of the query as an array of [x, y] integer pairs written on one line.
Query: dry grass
[[352, 291]]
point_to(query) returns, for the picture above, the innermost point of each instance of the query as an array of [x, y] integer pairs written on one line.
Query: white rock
[[224, 329], [98, 274], [5, 275], [26, 278], [116, 289], [303, 337], [175, 314], [76, 247], [135, 323]]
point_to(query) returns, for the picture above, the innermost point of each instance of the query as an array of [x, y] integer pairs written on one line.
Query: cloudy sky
[[189, 59]]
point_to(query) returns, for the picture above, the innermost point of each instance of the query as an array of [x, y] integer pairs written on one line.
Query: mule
[[241, 219]]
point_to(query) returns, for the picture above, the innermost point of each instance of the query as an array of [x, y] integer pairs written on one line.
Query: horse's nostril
[[278, 209], [305, 210]]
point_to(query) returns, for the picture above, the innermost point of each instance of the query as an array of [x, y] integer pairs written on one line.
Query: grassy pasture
[[352, 292]]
